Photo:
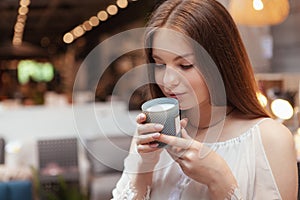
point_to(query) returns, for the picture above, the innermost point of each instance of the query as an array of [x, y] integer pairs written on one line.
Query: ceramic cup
[[164, 111]]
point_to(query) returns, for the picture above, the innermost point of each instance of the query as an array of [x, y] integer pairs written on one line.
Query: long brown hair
[[209, 24]]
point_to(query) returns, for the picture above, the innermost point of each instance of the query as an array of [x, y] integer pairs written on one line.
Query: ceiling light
[[17, 41], [78, 31], [24, 3], [68, 38], [87, 26], [122, 3], [112, 9], [258, 5], [19, 27], [282, 109], [102, 15], [94, 21], [259, 12], [23, 10], [22, 18]]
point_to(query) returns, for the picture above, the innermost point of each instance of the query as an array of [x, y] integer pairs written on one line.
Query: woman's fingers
[[145, 139], [146, 143], [146, 148], [146, 134], [175, 152], [183, 122], [140, 118], [174, 141], [185, 135], [149, 128]]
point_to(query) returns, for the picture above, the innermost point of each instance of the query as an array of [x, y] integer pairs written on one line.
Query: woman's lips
[[176, 96]]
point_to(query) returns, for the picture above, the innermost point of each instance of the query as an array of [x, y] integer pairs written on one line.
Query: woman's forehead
[[171, 41]]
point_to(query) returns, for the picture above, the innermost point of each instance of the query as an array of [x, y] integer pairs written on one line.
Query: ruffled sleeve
[[129, 193], [124, 189]]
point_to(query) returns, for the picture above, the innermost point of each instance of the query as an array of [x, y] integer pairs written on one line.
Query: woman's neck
[[209, 120], [205, 115]]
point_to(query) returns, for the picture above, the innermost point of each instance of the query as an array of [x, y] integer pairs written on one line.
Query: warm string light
[[20, 24], [112, 9], [102, 15], [94, 21]]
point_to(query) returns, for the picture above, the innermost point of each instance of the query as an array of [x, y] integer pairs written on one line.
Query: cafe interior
[[66, 121]]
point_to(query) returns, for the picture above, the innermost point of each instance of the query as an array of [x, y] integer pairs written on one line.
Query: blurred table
[[29, 124], [9, 173]]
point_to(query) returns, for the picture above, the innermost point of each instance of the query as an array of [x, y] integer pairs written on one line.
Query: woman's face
[[175, 70]]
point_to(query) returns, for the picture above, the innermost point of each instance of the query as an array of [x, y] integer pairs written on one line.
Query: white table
[[29, 124]]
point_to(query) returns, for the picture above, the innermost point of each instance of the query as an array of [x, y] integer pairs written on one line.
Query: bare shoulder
[[275, 136], [280, 151], [277, 140]]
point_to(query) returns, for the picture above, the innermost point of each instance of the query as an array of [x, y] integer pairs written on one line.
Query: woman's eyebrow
[[176, 58], [183, 56]]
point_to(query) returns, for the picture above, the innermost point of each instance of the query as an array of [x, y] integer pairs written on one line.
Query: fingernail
[[142, 116], [158, 127], [156, 135], [153, 145]]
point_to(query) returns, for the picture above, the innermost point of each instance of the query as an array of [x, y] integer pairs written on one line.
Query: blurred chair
[[2, 151], [106, 157], [58, 164]]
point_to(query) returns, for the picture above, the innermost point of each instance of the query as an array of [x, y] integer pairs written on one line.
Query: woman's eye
[[186, 66], [160, 66]]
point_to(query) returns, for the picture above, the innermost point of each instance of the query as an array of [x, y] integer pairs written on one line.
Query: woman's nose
[[171, 77]]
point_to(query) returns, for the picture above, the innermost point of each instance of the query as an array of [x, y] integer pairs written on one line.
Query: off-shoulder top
[[245, 155]]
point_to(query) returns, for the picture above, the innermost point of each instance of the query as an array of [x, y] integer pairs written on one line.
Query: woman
[[230, 148]]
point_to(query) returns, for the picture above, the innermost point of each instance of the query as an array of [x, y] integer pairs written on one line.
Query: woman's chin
[[186, 106]]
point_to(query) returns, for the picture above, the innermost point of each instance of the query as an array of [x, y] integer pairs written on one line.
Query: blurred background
[[43, 44]]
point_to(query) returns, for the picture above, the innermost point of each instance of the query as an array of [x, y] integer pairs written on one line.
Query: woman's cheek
[[159, 79]]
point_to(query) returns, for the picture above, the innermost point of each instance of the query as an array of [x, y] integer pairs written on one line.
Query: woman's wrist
[[222, 184], [234, 193], [147, 161]]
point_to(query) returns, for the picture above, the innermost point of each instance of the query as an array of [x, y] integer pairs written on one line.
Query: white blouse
[[245, 155]]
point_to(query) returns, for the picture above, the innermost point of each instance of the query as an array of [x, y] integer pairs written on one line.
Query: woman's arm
[[142, 180], [140, 163], [136, 179], [280, 151], [142, 185]]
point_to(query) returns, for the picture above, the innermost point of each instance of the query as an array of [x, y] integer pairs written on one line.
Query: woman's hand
[[145, 140], [145, 133], [200, 163]]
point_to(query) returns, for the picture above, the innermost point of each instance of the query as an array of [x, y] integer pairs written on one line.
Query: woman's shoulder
[[279, 148], [271, 131], [276, 139], [274, 131]]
